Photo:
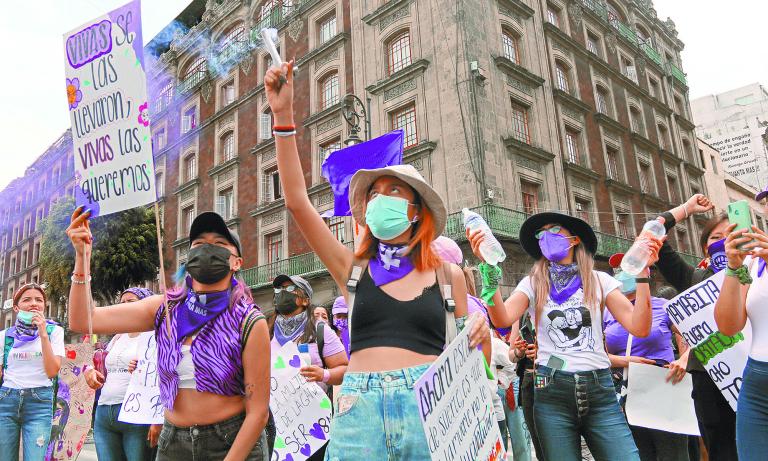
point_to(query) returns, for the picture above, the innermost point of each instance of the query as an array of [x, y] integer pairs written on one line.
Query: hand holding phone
[[740, 215]]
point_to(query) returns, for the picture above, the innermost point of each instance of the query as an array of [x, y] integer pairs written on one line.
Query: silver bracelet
[[284, 134], [79, 282]]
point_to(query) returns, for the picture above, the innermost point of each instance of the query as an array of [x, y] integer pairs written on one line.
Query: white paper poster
[[724, 357], [302, 411], [107, 96], [455, 406], [142, 404], [654, 403]]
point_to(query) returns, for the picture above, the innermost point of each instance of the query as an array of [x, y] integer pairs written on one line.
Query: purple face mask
[[717, 258], [554, 247]]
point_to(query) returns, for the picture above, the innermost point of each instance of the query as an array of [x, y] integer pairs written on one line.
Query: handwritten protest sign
[[107, 95], [301, 409], [142, 404], [455, 406], [724, 357], [74, 405]]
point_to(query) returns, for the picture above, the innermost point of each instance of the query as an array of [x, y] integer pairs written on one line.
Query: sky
[[723, 50]]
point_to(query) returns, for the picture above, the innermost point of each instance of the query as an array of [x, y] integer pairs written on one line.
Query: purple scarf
[[200, 308], [23, 332], [565, 281], [390, 264]]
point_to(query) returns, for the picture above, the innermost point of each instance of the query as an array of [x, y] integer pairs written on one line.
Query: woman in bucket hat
[[397, 313], [574, 394]]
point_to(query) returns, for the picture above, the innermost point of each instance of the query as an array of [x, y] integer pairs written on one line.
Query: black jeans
[[211, 442], [526, 401], [657, 445], [717, 420]]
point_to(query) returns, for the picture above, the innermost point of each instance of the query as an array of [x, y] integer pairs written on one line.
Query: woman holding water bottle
[[717, 420], [574, 394], [397, 312]]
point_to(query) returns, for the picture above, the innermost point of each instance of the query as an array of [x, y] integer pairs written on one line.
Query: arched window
[[195, 73], [232, 43], [614, 15], [510, 46], [663, 137], [687, 151], [561, 72], [190, 167], [265, 125], [329, 91], [399, 52], [643, 37], [228, 147], [165, 96]]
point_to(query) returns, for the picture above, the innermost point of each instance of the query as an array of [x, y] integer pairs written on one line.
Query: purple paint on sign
[[306, 450], [83, 196], [90, 43], [295, 362], [317, 432]]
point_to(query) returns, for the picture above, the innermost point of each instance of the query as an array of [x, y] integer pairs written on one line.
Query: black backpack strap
[[359, 266], [320, 340], [445, 281]]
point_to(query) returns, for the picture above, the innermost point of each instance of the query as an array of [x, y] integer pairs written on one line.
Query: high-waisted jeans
[[29, 413], [575, 404], [210, 442], [377, 418], [752, 412]]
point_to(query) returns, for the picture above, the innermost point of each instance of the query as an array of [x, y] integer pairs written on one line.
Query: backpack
[[7, 348], [443, 280]]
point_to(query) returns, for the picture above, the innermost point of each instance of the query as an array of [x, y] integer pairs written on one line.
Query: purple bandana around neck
[[22, 332], [200, 308], [565, 281], [390, 264]]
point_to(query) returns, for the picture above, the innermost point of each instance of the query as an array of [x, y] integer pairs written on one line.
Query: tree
[[124, 252]]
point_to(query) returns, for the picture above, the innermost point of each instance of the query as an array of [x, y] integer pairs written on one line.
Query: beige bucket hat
[[363, 180]]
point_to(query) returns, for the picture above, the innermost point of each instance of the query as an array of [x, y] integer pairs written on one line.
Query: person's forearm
[[337, 375], [50, 364], [78, 298], [641, 314], [618, 361], [680, 213], [247, 436], [288, 162], [730, 314]]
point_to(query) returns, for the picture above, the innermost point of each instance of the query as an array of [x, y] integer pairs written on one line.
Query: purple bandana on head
[[390, 264], [200, 308], [565, 281], [23, 332]]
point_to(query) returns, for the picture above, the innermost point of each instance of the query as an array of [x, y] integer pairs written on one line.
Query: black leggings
[[717, 420]]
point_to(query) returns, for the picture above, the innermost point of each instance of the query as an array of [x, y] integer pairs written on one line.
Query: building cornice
[[610, 122], [325, 113], [527, 150], [220, 168], [329, 45], [265, 208], [620, 186], [518, 7], [187, 186], [415, 69], [693, 169], [510, 68], [642, 140], [383, 10], [580, 170], [263, 146], [670, 157], [571, 100]]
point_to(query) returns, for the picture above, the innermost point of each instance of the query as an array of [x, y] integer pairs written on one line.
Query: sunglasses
[[553, 230], [289, 289]]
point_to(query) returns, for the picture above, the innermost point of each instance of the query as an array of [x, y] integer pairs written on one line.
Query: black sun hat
[[574, 225]]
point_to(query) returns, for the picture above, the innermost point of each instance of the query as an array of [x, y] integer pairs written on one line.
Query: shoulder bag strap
[[356, 272], [320, 340], [445, 281]]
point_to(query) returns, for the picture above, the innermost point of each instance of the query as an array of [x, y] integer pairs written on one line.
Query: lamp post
[[353, 111]]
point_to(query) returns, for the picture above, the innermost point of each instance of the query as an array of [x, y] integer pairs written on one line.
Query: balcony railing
[[504, 222], [232, 52], [192, 80], [678, 74]]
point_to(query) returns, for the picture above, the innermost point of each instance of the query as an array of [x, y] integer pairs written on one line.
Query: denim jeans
[[211, 442], [29, 413], [752, 412], [377, 418], [514, 425], [571, 405], [116, 440]]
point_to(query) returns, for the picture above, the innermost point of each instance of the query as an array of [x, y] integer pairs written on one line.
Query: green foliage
[[124, 252]]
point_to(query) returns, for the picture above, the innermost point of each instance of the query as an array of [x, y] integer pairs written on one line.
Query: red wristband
[[284, 128]]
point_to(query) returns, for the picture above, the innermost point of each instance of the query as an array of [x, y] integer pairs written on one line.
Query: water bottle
[[636, 258], [491, 249], [306, 359]]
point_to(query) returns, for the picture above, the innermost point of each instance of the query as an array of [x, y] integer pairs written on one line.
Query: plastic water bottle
[[491, 249], [636, 258], [306, 359]]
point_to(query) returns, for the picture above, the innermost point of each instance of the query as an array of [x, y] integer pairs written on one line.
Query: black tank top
[[379, 320]]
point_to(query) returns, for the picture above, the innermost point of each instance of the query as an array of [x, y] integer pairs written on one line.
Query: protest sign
[[142, 404], [724, 357], [649, 391], [301, 409], [107, 94], [455, 406], [74, 405]]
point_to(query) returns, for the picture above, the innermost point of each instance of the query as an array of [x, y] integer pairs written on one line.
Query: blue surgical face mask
[[387, 217], [25, 316], [628, 282]]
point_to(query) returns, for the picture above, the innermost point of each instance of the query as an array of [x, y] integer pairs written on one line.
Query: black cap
[[574, 225], [209, 221]]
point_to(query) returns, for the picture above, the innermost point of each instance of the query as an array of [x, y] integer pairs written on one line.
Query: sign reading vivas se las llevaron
[[107, 95]]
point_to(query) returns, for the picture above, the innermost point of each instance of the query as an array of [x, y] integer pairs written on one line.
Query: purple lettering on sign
[[90, 43]]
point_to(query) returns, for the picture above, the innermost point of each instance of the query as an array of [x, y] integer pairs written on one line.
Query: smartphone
[[740, 214], [555, 362], [526, 332]]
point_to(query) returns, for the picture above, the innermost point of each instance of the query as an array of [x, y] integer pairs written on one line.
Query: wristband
[[79, 282], [742, 274], [642, 280], [326, 375], [284, 134], [284, 128]]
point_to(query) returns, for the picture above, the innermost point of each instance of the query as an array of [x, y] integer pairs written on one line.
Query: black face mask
[[208, 263], [285, 303]]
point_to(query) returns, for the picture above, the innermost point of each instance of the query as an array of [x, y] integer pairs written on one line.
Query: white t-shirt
[[121, 352], [571, 331], [757, 302], [25, 362]]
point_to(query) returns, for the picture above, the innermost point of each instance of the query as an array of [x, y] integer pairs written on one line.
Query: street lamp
[[353, 110]]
